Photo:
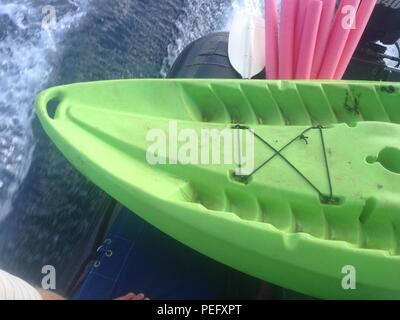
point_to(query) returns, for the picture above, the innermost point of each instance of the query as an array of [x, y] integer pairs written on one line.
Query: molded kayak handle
[[44, 98]]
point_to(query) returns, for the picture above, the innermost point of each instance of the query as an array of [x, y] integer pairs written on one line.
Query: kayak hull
[[101, 129]]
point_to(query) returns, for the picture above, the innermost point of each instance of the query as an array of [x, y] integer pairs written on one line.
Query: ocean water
[[46, 206]]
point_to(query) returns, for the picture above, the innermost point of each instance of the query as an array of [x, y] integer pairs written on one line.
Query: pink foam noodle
[[300, 18], [287, 33], [325, 26], [363, 15], [337, 40], [309, 39], [271, 37]]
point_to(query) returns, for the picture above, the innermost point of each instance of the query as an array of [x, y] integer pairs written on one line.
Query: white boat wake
[[27, 56]]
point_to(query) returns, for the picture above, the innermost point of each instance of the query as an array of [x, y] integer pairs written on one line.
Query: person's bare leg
[[48, 295]]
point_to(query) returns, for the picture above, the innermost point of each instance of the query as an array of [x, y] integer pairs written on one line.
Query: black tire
[[206, 58]]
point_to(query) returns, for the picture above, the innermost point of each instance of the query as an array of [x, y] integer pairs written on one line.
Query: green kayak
[[294, 182]]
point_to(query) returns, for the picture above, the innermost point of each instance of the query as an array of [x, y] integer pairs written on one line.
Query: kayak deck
[[322, 194]]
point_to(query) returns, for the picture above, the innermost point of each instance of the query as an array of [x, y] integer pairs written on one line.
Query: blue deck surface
[[136, 257]]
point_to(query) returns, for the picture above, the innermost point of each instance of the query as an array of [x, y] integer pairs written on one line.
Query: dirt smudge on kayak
[[388, 89], [352, 103]]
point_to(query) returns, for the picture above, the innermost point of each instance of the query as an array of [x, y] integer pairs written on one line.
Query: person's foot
[[133, 297]]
